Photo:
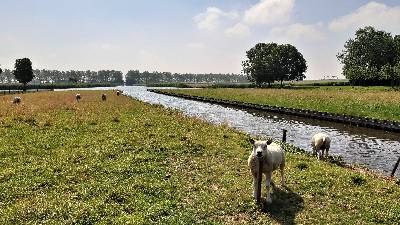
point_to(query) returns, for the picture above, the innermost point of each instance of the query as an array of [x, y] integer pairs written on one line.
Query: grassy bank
[[374, 102], [126, 162]]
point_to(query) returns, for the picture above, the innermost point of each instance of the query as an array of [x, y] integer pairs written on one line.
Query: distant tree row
[[136, 77], [74, 76], [372, 58]]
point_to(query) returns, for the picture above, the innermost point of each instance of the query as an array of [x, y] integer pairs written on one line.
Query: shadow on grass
[[285, 205]]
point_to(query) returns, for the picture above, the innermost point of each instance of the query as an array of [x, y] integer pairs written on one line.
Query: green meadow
[[122, 161], [372, 102]]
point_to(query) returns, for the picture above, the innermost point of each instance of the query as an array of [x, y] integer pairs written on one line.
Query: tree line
[[24, 74], [136, 77], [73, 76]]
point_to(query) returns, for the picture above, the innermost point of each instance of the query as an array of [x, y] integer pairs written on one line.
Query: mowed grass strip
[[122, 161], [375, 102]]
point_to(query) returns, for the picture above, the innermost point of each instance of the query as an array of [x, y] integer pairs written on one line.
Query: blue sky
[[182, 35]]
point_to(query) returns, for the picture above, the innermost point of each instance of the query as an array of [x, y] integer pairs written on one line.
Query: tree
[[291, 63], [371, 50], [396, 40], [23, 71], [270, 62]]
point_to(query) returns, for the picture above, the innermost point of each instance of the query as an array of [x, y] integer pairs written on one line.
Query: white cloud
[[238, 31], [375, 14], [212, 18], [269, 12], [300, 31]]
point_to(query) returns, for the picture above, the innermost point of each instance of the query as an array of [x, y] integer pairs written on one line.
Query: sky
[[193, 36]]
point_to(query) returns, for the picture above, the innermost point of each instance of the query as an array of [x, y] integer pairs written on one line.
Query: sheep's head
[[260, 147]]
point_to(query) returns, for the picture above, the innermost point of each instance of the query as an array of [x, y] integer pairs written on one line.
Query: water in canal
[[375, 149]]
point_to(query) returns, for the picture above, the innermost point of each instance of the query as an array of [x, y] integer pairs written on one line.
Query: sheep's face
[[260, 147]]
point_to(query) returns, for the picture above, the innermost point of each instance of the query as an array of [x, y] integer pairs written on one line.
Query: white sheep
[[273, 157], [103, 97], [78, 97], [320, 143], [16, 100]]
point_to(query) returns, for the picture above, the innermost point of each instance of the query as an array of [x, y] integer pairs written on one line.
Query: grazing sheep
[[118, 93], [16, 100], [273, 157], [78, 97], [320, 142], [103, 97]]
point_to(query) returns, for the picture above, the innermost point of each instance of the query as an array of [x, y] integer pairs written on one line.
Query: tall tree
[[291, 63], [370, 50], [23, 71], [396, 40], [270, 62]]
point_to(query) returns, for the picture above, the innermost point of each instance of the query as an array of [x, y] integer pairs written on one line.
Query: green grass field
[[126, 162], [373, 102]]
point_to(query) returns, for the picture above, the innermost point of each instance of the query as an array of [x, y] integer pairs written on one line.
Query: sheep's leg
[[320, 154], [326, 152], [268, 176], [314, 151], [255, 185]]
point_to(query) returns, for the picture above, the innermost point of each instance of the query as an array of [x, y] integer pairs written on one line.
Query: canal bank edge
[[386, 125]]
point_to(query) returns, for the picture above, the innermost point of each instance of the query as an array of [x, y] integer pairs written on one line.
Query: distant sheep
[[103, 97], [78, 97], [16, 100], [273, 157], [118, 93], [320, 143]]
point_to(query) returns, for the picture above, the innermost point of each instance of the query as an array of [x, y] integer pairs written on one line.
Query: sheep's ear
[[252, 141], [269, 141]]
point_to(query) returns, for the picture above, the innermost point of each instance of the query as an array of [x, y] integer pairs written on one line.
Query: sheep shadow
[[284, 207]]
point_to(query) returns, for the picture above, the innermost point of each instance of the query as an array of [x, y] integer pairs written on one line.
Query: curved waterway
[[374, 149]]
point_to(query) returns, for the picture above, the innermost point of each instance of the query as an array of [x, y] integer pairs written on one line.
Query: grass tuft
[[358, 179], [302, 166]]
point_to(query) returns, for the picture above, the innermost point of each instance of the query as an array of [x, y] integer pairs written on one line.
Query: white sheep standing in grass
[[103, 97], [273, 157], [16, 100], [78, 97], [320, 143]]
